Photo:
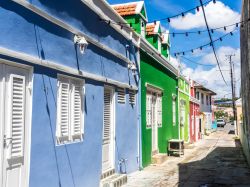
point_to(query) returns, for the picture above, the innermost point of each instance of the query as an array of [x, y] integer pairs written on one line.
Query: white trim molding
[[62, 68], [71, 29], [154, 88]]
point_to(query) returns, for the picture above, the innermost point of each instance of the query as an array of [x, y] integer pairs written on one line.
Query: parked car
[[221, 122]]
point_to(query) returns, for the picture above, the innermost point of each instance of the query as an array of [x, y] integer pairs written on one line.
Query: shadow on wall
[[223, 167]]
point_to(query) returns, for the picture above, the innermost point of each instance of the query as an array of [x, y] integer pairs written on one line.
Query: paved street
[[213, 162]]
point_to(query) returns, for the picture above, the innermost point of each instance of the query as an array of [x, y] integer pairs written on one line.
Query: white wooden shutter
[[76, 121], [107, 116], [149, 110], [17, 115], [132, 97], [63, 112], [159, 111], [121, 95]]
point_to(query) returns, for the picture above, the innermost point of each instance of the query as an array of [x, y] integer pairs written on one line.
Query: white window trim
[[159, 44], [150, 93], [71, 137]]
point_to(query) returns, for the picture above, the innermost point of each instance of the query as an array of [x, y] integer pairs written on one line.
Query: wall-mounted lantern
[[81, 42]]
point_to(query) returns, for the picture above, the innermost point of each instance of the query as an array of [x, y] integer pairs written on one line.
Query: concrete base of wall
[[245, 141]]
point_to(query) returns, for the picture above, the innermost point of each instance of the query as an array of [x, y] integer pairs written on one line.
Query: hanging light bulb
[[175, 54], [155, 22], [225, 28], [168, 20], [201, 48], [186, 34], [237, 24], [198, 9], [214, 1], [183, 53], [231, 33], [192, 50], [212, 30], [221, 39], [199, 32], [182, 14]]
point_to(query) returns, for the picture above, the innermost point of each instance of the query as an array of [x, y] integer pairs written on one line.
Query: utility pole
[[233, 92]]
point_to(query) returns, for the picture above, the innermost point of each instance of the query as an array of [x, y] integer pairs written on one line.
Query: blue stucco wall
[[77, 164]]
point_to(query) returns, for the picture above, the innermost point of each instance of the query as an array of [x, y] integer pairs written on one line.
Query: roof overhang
[[201, 87], [105, 11], [154, 53]]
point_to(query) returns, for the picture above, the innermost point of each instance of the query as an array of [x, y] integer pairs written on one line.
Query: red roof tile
[[125, 10]]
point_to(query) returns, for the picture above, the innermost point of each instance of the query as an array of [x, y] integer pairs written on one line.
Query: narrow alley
[[216, 161]]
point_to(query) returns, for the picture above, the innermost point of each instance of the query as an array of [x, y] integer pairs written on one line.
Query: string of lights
[[129, 25], [182, 14], [205, 45], [225, 28]]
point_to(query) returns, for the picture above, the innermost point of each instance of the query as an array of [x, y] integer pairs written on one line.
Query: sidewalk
[[215, 161]]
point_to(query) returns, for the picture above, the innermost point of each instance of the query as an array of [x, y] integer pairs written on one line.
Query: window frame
[[73, 82]]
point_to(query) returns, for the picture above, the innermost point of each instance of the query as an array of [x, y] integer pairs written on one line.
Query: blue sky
[[224, 12]]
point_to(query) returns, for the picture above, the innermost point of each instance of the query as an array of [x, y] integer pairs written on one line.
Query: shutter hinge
[[30, 87]]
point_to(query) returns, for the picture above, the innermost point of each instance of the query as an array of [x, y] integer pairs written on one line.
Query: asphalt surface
[[216, 161]]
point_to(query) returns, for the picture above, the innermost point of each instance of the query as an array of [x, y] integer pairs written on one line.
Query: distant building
[[204, 95], [194, 124], [184, 113]]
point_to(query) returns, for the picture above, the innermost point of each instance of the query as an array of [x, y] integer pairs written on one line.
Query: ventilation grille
[[132, 95], [121, 95]]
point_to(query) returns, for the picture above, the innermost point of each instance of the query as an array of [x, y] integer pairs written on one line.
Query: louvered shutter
[[107, 116], [132, 97], [149, 110], [159, 111], [63, 107], [17, 115], [76, 121], [121, 95]]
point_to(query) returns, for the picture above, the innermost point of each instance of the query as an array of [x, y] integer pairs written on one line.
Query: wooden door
[[108, 130], [15, 139]]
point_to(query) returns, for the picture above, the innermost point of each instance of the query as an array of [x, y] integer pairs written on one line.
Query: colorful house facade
[[184, 113], [195, 122], [158, 84], [204, 95], [66, 85]]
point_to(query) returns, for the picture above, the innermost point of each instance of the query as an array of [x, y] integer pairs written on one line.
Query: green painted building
[[183, 88], [158, 84]]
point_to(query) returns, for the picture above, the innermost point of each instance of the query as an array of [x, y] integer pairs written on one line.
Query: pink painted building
[[195, 123]]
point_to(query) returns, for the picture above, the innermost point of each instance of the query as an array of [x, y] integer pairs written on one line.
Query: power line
[[185, 12], [211, 40], [195, 62]]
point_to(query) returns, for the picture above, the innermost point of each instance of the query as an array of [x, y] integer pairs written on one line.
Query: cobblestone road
[[216, 161]]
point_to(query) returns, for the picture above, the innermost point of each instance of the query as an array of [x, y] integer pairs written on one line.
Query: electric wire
[[211, 40], [187, 59]]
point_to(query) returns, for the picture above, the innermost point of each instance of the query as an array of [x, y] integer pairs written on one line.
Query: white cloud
[[217, 15], [212, 78]]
